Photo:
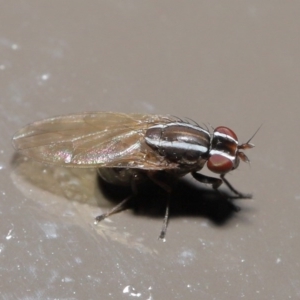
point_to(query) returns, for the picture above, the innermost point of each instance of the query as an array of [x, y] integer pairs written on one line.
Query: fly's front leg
[[239, 194], [216, 182]]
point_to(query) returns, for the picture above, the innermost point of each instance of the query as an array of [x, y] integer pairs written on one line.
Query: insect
[[130, 148]]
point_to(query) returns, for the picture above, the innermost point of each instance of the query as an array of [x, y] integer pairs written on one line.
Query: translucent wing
[[97, 139]]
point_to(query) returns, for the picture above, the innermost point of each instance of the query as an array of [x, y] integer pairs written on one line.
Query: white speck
[[202, 242], [278, 260], [45, 76], [49, 230], [67, 279], [136, 295], [2, 67], [78, 260], [1, 248], [14, 46], [186, 257], [3, 193], [1, 167], [9, 235], [131, 291], [242, 260], [42, 78]]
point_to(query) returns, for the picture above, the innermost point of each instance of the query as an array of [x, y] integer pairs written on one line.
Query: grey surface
[[233, 63]]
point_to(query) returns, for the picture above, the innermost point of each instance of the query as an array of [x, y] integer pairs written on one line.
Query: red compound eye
[[226, 131], [220, 164]]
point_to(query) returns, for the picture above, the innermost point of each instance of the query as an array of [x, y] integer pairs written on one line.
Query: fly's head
[[226, 153]]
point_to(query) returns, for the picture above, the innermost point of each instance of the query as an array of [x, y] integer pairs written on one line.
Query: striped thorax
[[188, 145]]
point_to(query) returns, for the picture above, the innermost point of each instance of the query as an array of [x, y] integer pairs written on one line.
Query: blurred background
[[233, 63]]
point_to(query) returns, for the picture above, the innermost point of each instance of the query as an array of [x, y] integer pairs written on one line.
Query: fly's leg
[[239, 194], [121, 206], [163, 231], [136, 178], [168, 189], [216, 182], [118, 208]]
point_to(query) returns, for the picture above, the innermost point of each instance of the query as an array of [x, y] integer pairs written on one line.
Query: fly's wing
[[100, 139]]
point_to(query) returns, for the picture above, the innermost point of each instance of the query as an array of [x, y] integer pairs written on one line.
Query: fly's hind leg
[[118, 208], [132, 182]]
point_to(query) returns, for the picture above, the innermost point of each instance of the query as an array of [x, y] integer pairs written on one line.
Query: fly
[[130, 148]]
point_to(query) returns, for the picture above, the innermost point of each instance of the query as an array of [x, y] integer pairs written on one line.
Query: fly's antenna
[[248, 145], [248, 142]]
